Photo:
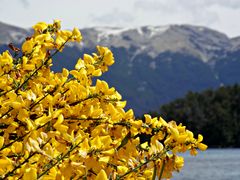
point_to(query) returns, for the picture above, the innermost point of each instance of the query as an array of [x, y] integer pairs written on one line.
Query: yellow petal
[[200, 138], [59, 121], [34, 144], [122, 169], [148, 118], [104, 159], [101, 175], [202, 146], [106, 140], [5, 162], [65, 72], [193, 152], [28, 67], [30, 125], [1, 141], [96, 143], [40, 26], [182, 138], [97, 72], [22, 115], [30, 173], [174, 132], [80, 64], [109, 152], [42, 120], [16, 105], [61, 128], [27, 46], [144, 145], [85, 145]]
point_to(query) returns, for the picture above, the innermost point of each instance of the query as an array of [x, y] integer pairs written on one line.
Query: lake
[[213, 164]]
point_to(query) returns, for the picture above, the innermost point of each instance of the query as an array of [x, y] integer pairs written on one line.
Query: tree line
[[213, 113]]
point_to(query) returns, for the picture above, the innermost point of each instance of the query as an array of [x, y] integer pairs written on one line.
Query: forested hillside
[[214, 113]]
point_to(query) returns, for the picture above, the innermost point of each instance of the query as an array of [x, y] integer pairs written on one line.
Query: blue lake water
[[213, 164]]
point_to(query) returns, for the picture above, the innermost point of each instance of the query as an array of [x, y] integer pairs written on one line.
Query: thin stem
[[135, 169], [81, 100], [19, 138], [9, 110], [34, 104], [162, 169], [18, 166], [25, 161], [154, 172], [153, 158], [36, 70], [83, 119], [59, 160]]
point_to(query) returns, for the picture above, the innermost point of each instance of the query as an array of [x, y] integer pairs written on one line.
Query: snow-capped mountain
[[154, 65], [201, 42], [9, 34]]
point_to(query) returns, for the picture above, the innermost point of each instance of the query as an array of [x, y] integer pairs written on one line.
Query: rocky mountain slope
[[154, 65]]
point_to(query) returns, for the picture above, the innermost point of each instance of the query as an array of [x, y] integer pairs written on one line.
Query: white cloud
[[115, 17], [211, 13], [221, 15], [185, 4]]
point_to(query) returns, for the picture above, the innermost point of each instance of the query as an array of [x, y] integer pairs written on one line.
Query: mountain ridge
[[166, 38], [175, 38], [155, 64]]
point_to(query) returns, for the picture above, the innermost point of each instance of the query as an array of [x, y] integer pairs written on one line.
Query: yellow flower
[[156, 147], [17, 147], [76, 35], [80, 64], [27, 46], [57, 24], [106, 54], [179, 163], [39, 27], [174, 132], [5, 59], [200, 145]]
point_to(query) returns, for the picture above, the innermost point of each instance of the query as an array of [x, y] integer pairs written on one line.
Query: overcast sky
[[221, 15]]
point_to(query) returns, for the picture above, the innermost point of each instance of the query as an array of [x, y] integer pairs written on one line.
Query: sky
[[221, 15]]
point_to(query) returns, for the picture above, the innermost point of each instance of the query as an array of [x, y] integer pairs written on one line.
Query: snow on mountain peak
[[106, 32], [157, 30]]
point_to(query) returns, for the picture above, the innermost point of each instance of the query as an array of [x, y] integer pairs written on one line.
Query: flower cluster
[[66, 126]]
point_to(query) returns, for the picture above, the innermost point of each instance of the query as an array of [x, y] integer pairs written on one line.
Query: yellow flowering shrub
[[66, 126]]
